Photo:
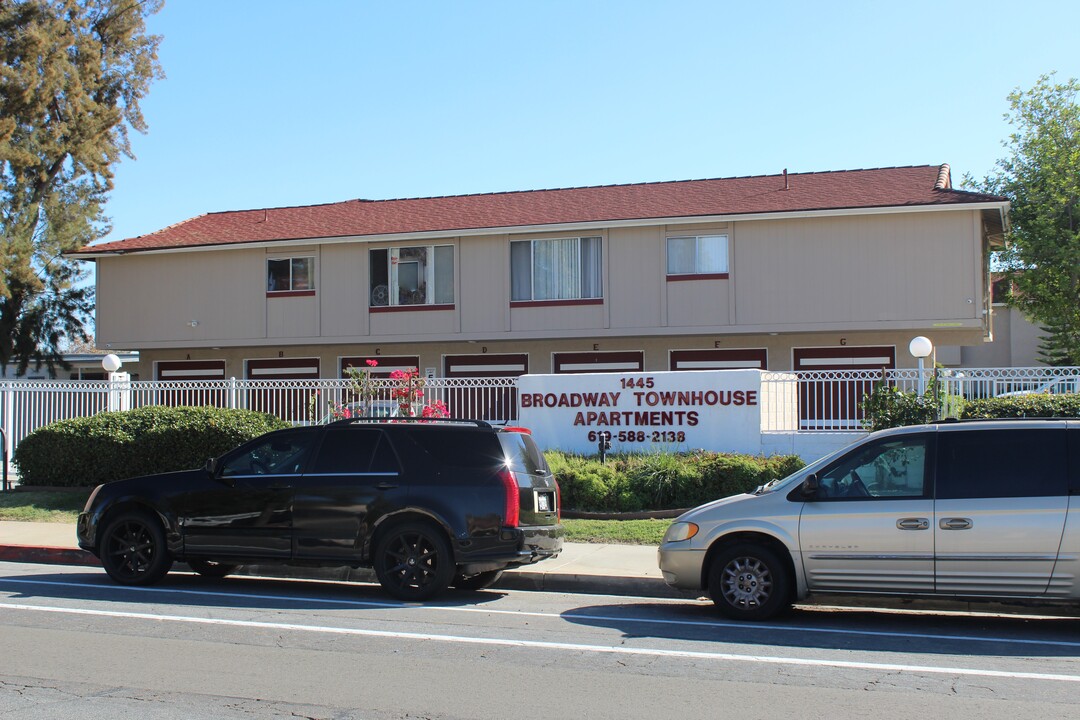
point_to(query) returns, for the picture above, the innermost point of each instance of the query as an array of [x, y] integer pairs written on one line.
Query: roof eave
[[1001, 205]]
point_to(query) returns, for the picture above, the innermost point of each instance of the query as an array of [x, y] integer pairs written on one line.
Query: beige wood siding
[[871, 268], [157, 297], [636, 276], [414, 322], [557, 317], [697, 303], [343, 297], [484, 285]]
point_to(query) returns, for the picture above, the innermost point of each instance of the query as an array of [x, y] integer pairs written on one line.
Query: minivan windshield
[[785, 483]]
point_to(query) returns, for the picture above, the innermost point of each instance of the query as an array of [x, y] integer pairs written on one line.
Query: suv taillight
[[513, 498], [558, 501]]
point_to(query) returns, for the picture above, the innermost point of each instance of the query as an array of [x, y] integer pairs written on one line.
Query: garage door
[[188, 382], [277, 396], [386, 364], [728, 359], [830, 397], [595, 362], [479, 402]]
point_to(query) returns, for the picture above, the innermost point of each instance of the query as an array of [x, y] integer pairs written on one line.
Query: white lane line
[[538, 644], [558, 616]]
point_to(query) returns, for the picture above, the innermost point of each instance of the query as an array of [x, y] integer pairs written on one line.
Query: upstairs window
[[291, 275], [697, 256], [422, 275], [562, 269]]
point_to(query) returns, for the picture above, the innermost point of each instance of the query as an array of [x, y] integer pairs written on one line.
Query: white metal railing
[[830, 400], [818, 400]]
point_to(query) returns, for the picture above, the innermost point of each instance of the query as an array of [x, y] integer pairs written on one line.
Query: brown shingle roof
[[849, 189]]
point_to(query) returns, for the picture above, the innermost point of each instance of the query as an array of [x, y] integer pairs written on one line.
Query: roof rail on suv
[[395, 420], [950, 421]]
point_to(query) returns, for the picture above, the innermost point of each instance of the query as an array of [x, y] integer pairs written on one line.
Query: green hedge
[[661, 481], [84, 452], [1037, 405]]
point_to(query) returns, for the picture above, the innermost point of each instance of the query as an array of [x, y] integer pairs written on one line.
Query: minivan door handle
[[385, 486], [913, 523], [955, 524]]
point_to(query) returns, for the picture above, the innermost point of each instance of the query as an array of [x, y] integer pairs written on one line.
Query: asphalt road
[[73, 645]]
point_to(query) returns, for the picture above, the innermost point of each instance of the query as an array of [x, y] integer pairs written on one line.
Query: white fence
[[830, 400], [813, 400]]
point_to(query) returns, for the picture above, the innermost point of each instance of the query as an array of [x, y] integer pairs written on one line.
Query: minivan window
[[1001, 464], [891, 468]]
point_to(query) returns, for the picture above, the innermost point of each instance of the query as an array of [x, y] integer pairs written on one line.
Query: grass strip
[[64, 507], [59, 507]]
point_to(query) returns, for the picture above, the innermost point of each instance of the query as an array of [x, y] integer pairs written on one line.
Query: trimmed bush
[[84, 452], [1018, 406], [661, 481]]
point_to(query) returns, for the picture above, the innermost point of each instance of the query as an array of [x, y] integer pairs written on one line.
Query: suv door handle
[[385, 486], [913, 523], [955, 524]]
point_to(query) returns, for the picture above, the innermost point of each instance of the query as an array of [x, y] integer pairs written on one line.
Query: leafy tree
[[72, 73], [1041, 177]]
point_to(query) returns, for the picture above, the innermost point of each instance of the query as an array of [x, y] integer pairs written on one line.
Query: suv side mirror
[[809, 488], [211, 469]]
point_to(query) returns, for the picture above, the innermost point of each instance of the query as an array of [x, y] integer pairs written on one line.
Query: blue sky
[[273, 102]]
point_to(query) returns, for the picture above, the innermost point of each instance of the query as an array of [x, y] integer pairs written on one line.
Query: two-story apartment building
[[800, 271]]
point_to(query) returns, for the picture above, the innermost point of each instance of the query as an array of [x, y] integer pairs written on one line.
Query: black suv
[[427, 504]]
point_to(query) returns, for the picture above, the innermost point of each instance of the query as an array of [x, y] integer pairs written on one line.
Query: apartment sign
[[641, 412]]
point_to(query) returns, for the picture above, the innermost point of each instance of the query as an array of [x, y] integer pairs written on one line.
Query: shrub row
[[888, 407], [1038, 405], [84, 452], [663, 481]]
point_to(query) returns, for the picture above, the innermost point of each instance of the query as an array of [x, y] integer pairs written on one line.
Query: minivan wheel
[[749, 582], [133, 550], [413, 561], [479, 581], [209, 568]]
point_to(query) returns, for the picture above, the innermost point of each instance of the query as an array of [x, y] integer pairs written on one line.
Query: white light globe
[[111, 363], [920, 347]]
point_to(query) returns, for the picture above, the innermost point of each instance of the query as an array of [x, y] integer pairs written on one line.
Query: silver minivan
[[973, 509]]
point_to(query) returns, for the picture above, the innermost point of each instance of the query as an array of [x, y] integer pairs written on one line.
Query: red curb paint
[[47, 555]]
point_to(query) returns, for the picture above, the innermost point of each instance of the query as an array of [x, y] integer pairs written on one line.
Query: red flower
[[372, 363]]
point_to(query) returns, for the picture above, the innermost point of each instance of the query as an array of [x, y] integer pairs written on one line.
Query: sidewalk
[[580, 568]]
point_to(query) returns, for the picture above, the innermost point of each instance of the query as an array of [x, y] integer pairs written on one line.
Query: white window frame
[[698, 255], [578, 292], [428, 277], [292, 282]]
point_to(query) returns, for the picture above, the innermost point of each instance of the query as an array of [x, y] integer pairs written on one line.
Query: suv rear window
[[522, 455], [461, 448]]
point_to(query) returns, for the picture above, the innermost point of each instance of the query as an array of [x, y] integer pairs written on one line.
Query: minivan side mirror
[[809, 488]]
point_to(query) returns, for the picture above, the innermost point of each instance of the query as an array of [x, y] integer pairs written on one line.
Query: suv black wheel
[[209, 568], [749, 582], [479, 581], [413, 561], [133, 549]]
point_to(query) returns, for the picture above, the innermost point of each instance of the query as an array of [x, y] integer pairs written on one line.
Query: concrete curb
[[47, 555], [530, 579], [534, 580]]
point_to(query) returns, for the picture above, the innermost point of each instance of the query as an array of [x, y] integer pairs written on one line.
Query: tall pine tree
[[72, 73]]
